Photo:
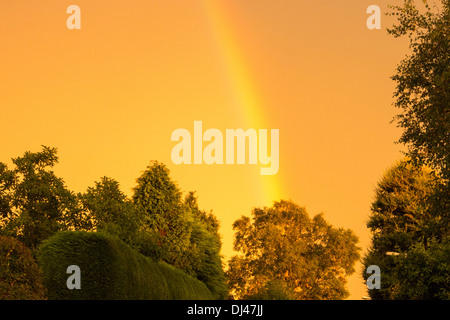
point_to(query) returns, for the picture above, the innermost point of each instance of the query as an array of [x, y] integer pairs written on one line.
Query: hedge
[[111, 270]]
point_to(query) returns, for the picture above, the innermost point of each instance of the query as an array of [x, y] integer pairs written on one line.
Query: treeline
[[282, 252], [157, 221]]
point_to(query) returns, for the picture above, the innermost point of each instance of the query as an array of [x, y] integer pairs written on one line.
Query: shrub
[[111, 270], [20, 277]]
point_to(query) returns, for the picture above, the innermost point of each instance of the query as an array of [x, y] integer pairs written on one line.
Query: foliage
[[402, 222], [423, 96], [273, 290], [284, 253], [111, 270], [164, 219], [411, 211], [176, 231], [157, 221], [423, 82], [111, 211], [424, 272], [20, 277], [204, 250], [34, 202], [401, 210]]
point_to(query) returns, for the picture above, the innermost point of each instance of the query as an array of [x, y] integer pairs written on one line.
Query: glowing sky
[[109, 96]]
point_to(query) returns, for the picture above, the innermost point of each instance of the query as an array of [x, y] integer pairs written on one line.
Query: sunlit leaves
[[285, 253]]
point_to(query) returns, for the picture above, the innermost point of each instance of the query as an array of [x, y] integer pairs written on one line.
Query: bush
[[111, 270], [20, 277], [273, 290]]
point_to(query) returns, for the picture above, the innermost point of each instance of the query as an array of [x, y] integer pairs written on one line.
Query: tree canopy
[[422, 93], [176, 231], [403, 232], [34, 202], [423, 81], [111, 211], [284, 254], [410, 213], [157, 220]]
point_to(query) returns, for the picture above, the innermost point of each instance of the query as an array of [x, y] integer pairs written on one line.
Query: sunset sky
[[109, 95]]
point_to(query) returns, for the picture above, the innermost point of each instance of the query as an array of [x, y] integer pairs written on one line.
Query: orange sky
[[108, 97]]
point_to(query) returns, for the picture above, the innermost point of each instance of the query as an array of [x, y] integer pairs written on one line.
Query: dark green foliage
[[156, 221], [424, 272], [177, 231], [403, 221], [34, 202], [164, 218], [401, 210], [410, 214], [204, 251], [20, 277], [423, 82], [423, 95], [111, 270], [111, 211]]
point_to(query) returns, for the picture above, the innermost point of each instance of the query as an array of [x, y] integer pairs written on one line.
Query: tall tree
[[423, 97], [110, 210], [176, 231], [423, 82], [204, 248], [285, 254], [165, 220], [400, 219], [422, 93]]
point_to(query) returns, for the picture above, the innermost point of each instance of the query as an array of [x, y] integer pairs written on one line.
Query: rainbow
[[219, 14]]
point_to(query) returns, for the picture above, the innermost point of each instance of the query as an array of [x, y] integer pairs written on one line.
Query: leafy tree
[[164, 218], [34, 202], [274, 290], [424, 272], [402, 222], [423, 82], [176, 231], [20, 277], [204, 249], [284, 253], [423, 96], [413, 216], [111, 211], [401, 210]]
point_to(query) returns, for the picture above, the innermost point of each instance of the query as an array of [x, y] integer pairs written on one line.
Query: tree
[[165, 220], [20, 277], [34, 202], [401, 210], [111, 211], [423, 96], [176, 231], [285, 254], [204, 249], [423, 82], [402, 221], [424, 272]]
